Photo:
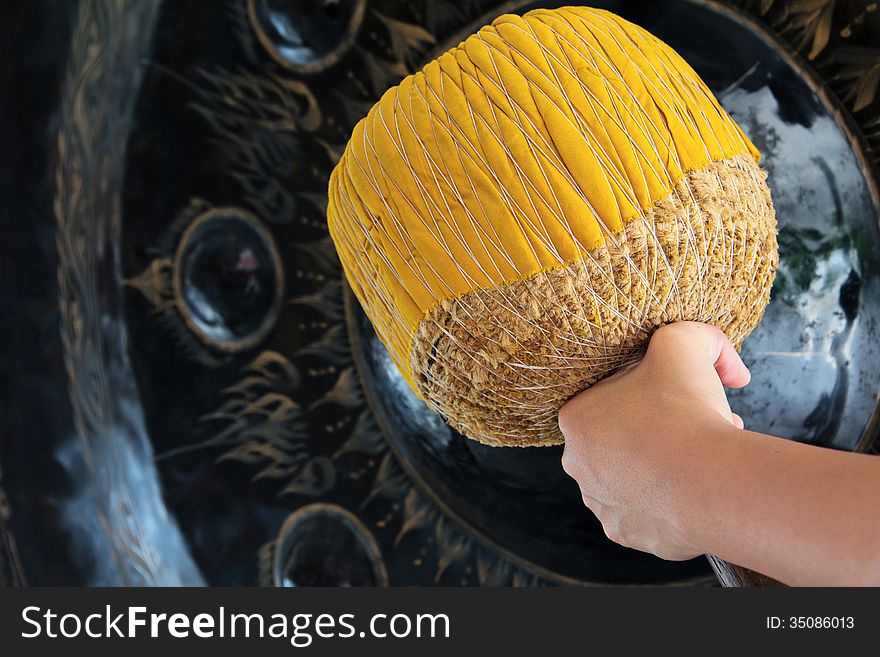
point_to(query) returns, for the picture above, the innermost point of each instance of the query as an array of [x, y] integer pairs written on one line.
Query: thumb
[[701, 344], [731, 369]]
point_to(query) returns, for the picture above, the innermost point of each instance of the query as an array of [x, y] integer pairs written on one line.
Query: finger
[[591, 503], [737, 421], [594, 506], [731, 370], [689, 340]]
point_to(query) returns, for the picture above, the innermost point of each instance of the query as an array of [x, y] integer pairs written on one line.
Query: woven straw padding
[[499, 363]]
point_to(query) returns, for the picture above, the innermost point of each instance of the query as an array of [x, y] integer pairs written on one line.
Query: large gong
[[191, 393]]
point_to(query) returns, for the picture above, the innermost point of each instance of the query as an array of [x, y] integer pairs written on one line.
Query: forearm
[[798, 513]]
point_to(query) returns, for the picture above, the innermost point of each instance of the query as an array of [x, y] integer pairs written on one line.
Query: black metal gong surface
[[190, 394]]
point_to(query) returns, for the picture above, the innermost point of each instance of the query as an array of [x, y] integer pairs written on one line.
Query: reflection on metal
[[216, 281], [227, 279], [116, 516], [307, 36], [326, 545], [827, 196], [156, 285]]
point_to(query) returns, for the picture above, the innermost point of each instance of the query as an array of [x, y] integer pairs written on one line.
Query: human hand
[[635, 440]]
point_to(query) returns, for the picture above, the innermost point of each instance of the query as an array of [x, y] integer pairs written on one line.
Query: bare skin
[[668, 469]]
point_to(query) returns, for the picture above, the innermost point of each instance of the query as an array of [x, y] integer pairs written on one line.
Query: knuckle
[[668, 334], [665, 332], [612, 532], [568, 465], [681, 332], [624, 538], [677, 331], [612, 526], [565, 419]]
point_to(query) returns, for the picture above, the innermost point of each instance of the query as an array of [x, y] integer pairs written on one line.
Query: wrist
[[703, 484]]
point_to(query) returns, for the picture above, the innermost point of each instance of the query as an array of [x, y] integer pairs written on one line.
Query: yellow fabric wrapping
[[516, 152]]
